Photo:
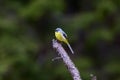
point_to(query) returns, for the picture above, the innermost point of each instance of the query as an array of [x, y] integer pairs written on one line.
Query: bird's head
[[58, 29]]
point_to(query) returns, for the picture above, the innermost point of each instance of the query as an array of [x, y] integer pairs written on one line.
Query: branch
[[67, 61]]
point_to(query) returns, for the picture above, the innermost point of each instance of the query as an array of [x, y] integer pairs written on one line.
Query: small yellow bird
[[62, 36]]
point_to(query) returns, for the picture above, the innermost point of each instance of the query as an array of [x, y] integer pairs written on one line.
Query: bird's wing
[[64, 34]]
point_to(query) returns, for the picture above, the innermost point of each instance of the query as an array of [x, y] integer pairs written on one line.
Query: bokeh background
[[27, 29]]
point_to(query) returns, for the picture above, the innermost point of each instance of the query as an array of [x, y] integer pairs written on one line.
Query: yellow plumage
[[59, 34], [60, 37]]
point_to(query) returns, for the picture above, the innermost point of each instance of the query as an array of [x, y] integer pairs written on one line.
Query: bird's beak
[[56, 30]]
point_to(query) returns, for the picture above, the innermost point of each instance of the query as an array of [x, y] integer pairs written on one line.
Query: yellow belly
[[59, 36]]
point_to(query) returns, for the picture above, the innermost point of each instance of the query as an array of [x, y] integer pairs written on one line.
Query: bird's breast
[[59, 36]]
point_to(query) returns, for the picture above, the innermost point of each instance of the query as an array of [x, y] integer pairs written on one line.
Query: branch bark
[[67, 61]]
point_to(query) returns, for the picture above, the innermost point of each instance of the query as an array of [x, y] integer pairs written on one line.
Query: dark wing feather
[[64, 34]]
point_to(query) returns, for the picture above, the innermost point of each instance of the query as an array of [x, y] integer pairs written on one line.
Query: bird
[[62, 36]]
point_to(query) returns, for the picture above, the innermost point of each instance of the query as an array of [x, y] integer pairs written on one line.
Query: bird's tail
[[70, 47]]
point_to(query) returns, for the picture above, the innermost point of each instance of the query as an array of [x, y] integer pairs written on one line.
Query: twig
[[67, 61]]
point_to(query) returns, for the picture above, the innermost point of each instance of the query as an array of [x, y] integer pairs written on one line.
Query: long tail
[[70, 47]]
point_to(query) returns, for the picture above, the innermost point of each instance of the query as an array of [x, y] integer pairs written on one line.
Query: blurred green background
[[27, 29]]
